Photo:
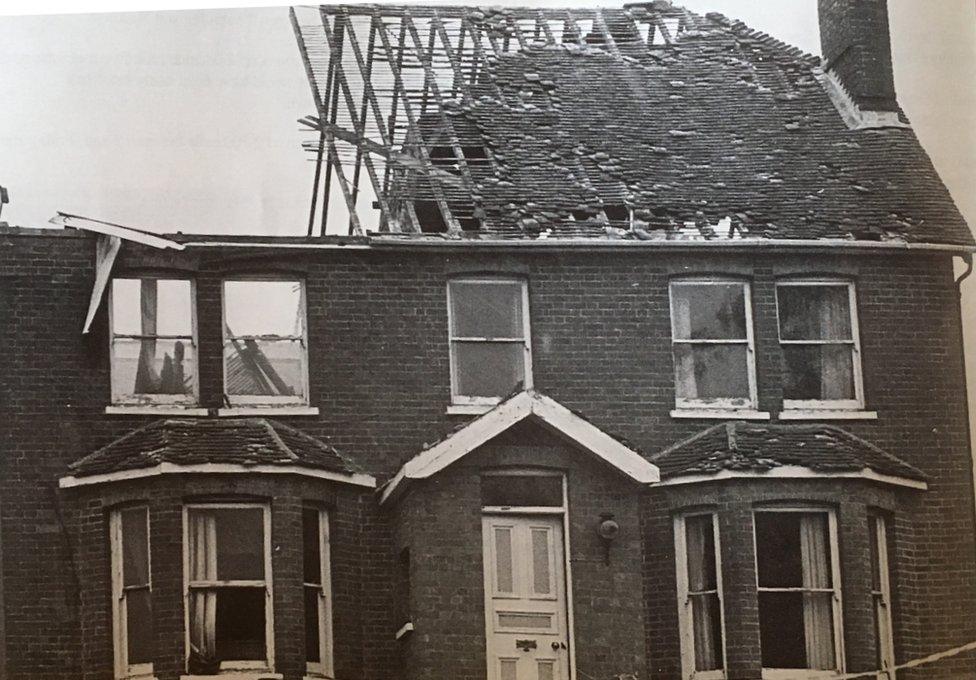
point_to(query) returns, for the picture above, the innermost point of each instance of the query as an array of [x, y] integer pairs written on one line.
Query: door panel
[[525, 598]]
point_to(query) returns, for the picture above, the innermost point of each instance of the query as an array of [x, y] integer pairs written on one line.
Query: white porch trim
[[795, 472]]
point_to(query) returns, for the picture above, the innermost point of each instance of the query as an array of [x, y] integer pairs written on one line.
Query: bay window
[[881, 596], [153, 348], [229, 622], [700, 606], [318, 592], [132, 616], [712, 343], [821, 351], [798, 578], [489, 339]]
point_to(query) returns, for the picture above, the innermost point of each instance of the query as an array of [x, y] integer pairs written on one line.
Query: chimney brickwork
[[854, 35]]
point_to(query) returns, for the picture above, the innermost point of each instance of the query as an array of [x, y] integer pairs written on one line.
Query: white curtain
[[817, 606], [203, 567], [835, 377], [687, 386], [704, 607]]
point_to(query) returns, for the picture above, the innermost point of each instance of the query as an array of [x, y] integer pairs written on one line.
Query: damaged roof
[[238, 441], [603, 129], [752, 447]]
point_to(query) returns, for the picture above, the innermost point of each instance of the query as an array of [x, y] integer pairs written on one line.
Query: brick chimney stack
[[856, 46]]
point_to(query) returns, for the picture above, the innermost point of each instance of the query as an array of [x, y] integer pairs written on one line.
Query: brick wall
[[377, 331]]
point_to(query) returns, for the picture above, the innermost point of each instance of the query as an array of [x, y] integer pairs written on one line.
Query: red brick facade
[[379, 375]]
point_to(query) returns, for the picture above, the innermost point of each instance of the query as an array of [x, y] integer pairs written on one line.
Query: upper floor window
[[798, 578], [818, 333], [229, 622], [318, 592], [711, 332], [490, 341], [699, 577], [132, 616], [884, 644], [265, 342], [153, 350]]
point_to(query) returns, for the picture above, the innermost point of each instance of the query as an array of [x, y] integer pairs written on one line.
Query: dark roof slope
[[742, 446], [242, 441], [724, 133]]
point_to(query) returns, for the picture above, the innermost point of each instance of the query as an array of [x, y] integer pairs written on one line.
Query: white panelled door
[[525, 598]]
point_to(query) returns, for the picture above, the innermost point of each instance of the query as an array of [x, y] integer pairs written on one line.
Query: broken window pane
[[486, 310], [488, 340], [488, 369], [708, 311], [152, 340], [240, 634], [264, 349], [794, 561], [711, 371]]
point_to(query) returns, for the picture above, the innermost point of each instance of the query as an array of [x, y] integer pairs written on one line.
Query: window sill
[[815, 414], [237, 675], [469, 409], [404, 629], [154, 410], [238, 411], [720, 414]]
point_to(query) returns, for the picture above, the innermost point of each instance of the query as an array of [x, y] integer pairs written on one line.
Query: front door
[[525, 598]]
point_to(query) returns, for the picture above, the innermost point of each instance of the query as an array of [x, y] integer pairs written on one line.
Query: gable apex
[[527, 404]]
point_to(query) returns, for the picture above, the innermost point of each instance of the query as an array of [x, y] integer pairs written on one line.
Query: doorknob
[[556, 646]]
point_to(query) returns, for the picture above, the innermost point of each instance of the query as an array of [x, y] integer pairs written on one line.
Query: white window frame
[[685, 614], [325, 667], [881, 599], [836, 600], [269, 400], [731, 404], [155, 399], [526, 339], [855, 404], [267, 583], [123, 669]]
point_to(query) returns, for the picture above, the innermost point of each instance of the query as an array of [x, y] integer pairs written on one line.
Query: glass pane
[[503, 560], [139, 626], [818, 372], [508, 669], [700, 542], [708, 312], [488, 369], [707, 625], [153, 367], [135, 547], [711, 371], [311, 539], [313, 653], [240, 624], [778, 553], [486, 310], [152, 307], [814, 312], [522, 490], [514, 620], [263, 308], [781, 630], [264, 368], [540, 561], [873, 524], [546, 670], [240, 543]]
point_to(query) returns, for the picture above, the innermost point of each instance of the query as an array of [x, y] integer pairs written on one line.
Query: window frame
[[881, 598], [270, 400], [837, 604], [855, 404], [723, 404], [120, 638], [685, 614], [137, 399], [458, 399], [324, 668], [268, 583]]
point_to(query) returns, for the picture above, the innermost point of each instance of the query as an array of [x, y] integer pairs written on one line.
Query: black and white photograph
[[542, 340]]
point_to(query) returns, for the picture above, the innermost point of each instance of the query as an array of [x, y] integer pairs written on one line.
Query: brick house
[[651, 366]]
